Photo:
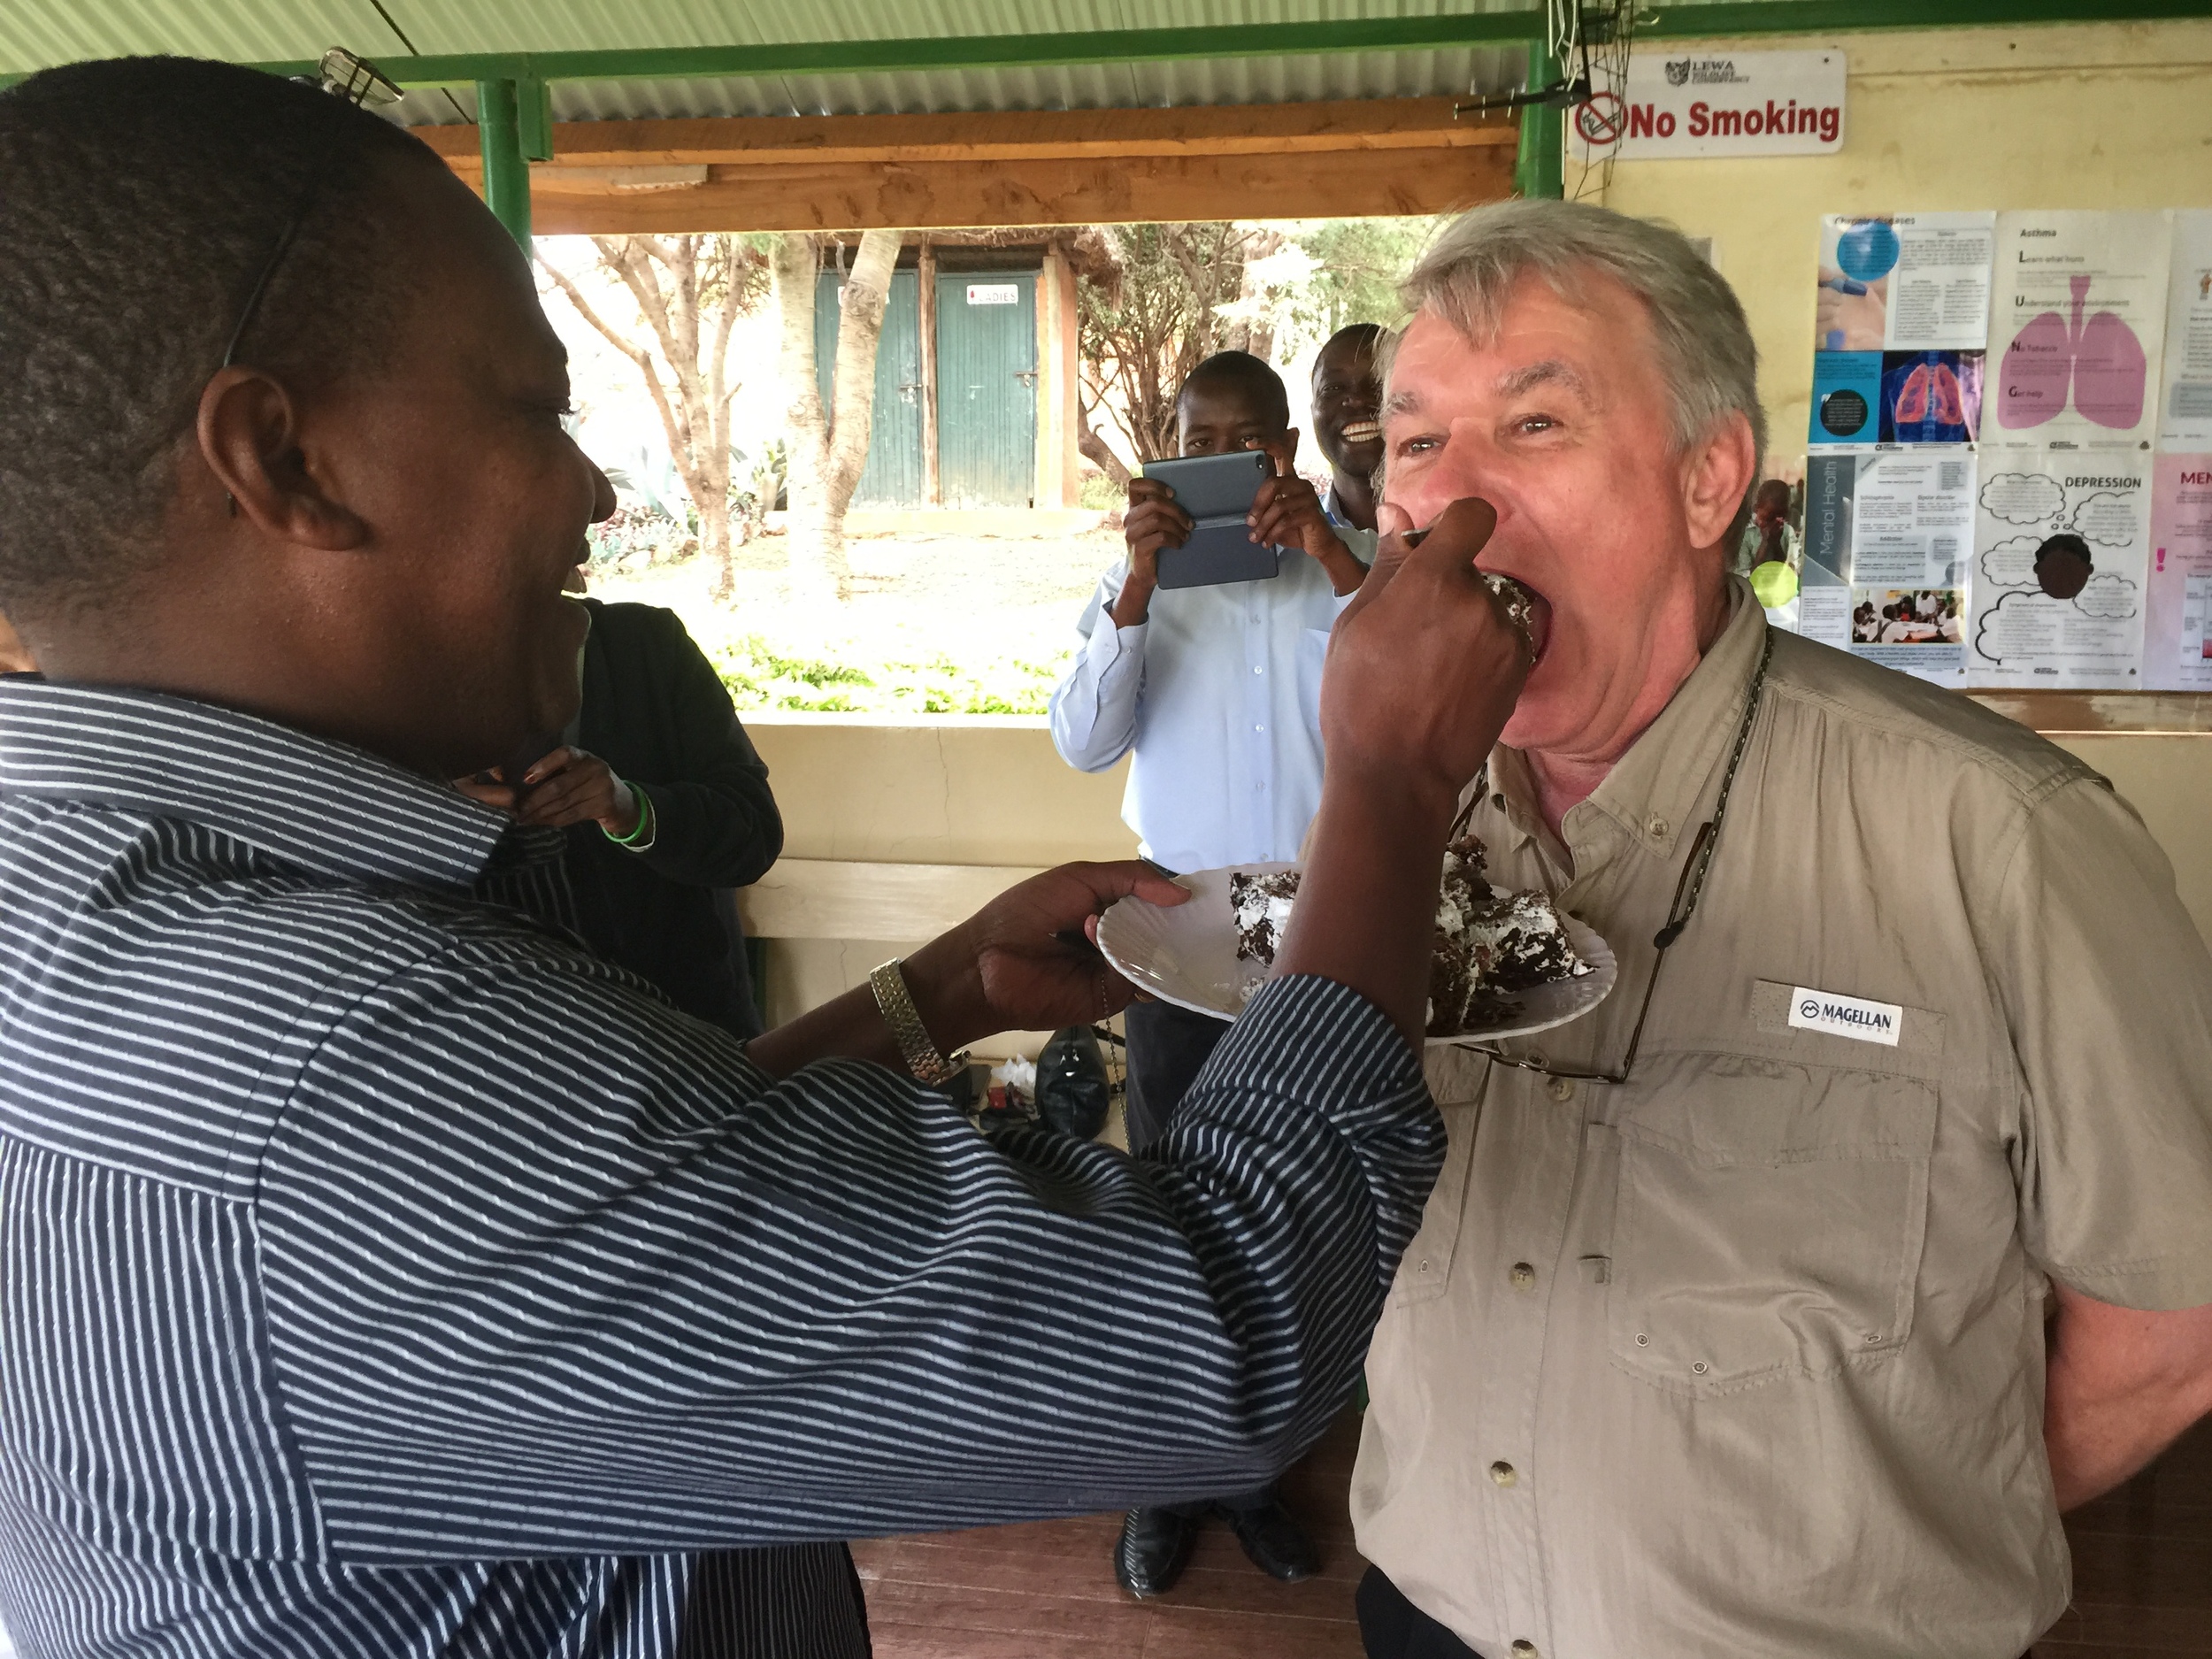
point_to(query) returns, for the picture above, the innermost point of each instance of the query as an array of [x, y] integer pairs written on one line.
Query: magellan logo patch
[[1852, 1017]]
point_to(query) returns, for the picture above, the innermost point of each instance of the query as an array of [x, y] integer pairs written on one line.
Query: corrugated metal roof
[[836, 73], [1298, 79], [36, 33]]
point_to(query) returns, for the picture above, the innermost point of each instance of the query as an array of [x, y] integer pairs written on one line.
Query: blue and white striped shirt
[[380, 1274]]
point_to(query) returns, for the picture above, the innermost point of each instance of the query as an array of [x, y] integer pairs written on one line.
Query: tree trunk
[[1096, 449], [829, 449], [694, 403], [806, 425]]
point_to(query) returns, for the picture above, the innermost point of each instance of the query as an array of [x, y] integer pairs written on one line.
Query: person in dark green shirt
[[666, 808]]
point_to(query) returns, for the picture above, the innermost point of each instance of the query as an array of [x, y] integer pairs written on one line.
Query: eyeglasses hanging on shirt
[[1686, 889]]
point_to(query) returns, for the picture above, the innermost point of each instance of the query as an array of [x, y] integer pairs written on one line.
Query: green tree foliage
[[1178, 293], [1357, 263]]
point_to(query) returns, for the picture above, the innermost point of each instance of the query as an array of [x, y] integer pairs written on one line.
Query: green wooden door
[[894, 474], [987, 388]]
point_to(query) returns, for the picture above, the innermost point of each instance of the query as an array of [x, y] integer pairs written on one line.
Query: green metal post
[[506, 170], [1541, 169], [534, 113]]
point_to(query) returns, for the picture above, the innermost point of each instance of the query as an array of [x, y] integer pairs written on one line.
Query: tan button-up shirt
[[1745, 1357]]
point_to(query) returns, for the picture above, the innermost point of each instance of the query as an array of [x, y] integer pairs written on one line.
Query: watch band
[[905, 1020]]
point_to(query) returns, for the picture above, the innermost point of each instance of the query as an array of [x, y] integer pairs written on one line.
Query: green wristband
[[644, 830]]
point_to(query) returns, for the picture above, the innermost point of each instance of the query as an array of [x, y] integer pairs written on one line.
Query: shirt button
[[1535, 1057], [1523, 1276], [1562, 1088], [1503, 1473], [1257, 669], [1656, 827], [1259, 728], [1525, 1650]]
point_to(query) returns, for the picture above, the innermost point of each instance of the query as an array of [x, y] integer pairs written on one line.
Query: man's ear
[[248, 440], [1718, 476]]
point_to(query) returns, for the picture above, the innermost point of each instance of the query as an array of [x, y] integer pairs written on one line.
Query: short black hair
[[1364, 334], [139, 200], [1242, 372], [2066, 541]]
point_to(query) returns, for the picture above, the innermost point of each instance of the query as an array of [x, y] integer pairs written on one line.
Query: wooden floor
[[2143, 1565], [2142, 1581], [1047, 1590]]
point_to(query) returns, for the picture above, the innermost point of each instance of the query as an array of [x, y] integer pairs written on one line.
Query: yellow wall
[[959, 790], [2104, 115]]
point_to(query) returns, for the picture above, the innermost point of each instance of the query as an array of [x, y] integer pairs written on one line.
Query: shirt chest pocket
[[1769, 1220]]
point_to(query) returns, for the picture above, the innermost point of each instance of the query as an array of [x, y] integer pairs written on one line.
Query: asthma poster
[[2081, 316]]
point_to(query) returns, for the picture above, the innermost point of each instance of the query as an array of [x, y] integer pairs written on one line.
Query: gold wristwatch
[[899, 1013]]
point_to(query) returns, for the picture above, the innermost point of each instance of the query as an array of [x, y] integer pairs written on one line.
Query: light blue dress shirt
[[1218, 691]]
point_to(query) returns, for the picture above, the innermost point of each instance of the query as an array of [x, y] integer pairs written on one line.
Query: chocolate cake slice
[[1261, 906], [1490, 942]]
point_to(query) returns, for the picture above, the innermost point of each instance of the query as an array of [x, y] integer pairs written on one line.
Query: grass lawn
[[935, 625]]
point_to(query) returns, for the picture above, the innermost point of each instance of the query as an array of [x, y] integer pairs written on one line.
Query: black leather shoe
[[1155, 1548], [1276, 1544]]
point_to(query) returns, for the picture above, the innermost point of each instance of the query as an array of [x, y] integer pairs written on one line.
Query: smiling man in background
[[1346, 425], [1725, 1330]]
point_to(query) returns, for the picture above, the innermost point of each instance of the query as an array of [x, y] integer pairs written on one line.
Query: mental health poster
[[2184, 407], [2178, 630], [1900, 325], [2062, 556], [1888, 544], [2079, 313]]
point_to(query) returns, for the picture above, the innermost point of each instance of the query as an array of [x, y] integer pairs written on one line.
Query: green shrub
[[1101, 493], [761, 677]]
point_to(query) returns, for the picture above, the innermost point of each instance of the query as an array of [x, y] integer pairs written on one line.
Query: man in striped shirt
[[380, 1274]]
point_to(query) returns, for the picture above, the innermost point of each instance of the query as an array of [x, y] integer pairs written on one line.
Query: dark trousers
[[1392, 1627], [1167, 1045]]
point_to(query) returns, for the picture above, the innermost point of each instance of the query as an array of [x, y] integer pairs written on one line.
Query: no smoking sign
[[1601, 120]]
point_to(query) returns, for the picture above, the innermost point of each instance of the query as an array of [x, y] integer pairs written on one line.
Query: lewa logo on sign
[[1852, 1017], [1704, 71]]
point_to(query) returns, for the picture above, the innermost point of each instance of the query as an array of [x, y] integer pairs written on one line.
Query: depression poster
[[2062, 558]]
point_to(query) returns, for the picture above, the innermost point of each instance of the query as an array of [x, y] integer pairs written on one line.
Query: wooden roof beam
[[1276, 129], [1078, 190]]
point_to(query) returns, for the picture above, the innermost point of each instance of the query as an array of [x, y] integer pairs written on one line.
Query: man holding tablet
[[1216, 686]]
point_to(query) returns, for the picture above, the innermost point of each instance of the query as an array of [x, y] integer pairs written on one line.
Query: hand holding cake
[[1424, 669]]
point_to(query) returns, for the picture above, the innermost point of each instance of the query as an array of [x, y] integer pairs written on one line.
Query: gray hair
[[1706, 352]]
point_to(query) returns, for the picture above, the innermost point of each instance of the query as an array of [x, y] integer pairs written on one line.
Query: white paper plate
[[1187, 954]]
